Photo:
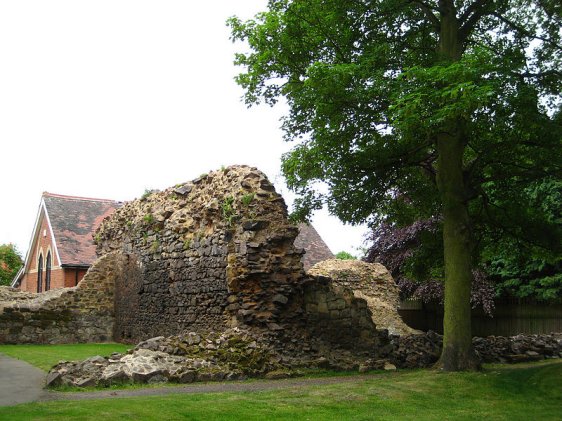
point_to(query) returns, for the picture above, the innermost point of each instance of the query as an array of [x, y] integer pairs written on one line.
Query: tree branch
[[546, 73], [320, 28], [471, 16], [524, 31], [428, 11], [504, 227], [473, 8]]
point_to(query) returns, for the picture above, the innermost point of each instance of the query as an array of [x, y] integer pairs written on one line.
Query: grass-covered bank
[[518, 392], [46, 356]]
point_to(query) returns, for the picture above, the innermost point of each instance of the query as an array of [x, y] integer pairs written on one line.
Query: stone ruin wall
[[181, 239], [218, 252], [206, 255], [371, 282], [83, 313], [333, 312]]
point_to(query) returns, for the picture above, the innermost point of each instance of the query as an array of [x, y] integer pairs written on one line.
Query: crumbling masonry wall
[[373, 283], [80, 314], [206, 255], [218, 252], [334, 313]]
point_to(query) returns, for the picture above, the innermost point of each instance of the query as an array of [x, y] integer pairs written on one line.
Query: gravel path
[[215, 387], [20, 382]]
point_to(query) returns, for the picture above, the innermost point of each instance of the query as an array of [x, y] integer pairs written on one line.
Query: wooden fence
[[511, 317]]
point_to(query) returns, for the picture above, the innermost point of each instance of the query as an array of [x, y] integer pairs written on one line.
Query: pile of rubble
[[415, 351], [232, 355], [519, 348], [423, 350], [238, 354]]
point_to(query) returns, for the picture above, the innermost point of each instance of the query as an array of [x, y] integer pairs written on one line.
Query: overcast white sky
[[107, 98]]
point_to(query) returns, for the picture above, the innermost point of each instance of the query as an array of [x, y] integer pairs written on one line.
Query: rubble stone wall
[[193, 244], [207, 255], [80, 314], [334, 313], [219, 252], [371, 282]]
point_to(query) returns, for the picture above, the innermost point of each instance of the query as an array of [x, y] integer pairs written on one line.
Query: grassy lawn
[[46, 356], [520, 392]]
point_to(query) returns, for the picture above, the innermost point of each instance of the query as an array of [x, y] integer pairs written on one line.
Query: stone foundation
[[239, 354]]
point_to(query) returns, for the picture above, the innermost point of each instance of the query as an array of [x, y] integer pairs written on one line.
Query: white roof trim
[[42, 207], [17, 277], [31, 241], [52, 233]]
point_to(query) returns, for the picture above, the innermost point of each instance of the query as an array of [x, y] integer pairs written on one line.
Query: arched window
[[40, 274], [48, 272]]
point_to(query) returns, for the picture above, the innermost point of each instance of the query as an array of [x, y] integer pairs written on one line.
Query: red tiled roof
[[73, 221], [315, 248]]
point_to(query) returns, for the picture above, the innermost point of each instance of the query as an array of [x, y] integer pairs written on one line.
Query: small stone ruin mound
[[232, 355], [238, 354], [371, 282], [415, 351]]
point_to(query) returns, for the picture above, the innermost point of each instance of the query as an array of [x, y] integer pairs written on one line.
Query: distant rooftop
[[316, 249], [74, 220]]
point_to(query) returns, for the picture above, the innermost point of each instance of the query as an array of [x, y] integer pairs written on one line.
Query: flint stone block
[[183, 190], [98, 360], [54, 378], [85, 382], [188, 376], [281, 299], [158, 378], [114, 374]]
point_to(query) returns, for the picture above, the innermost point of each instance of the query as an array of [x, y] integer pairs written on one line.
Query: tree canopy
[[510, 264], [344, 255], [10, 263], [413, 109]]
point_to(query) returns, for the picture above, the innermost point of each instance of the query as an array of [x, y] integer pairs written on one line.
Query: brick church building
[[62, 248]]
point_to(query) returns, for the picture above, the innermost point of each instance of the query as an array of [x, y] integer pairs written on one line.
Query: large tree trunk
[[457, 353]]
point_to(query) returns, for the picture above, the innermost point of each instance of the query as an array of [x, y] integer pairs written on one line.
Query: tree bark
[[458, 353]]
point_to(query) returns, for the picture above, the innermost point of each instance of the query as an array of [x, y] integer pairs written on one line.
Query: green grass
[[523, 392], [46, 356]]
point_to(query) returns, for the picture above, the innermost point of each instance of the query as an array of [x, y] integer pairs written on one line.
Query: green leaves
[[10, 263], [368, 94], [344, 255], [430, 98]]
